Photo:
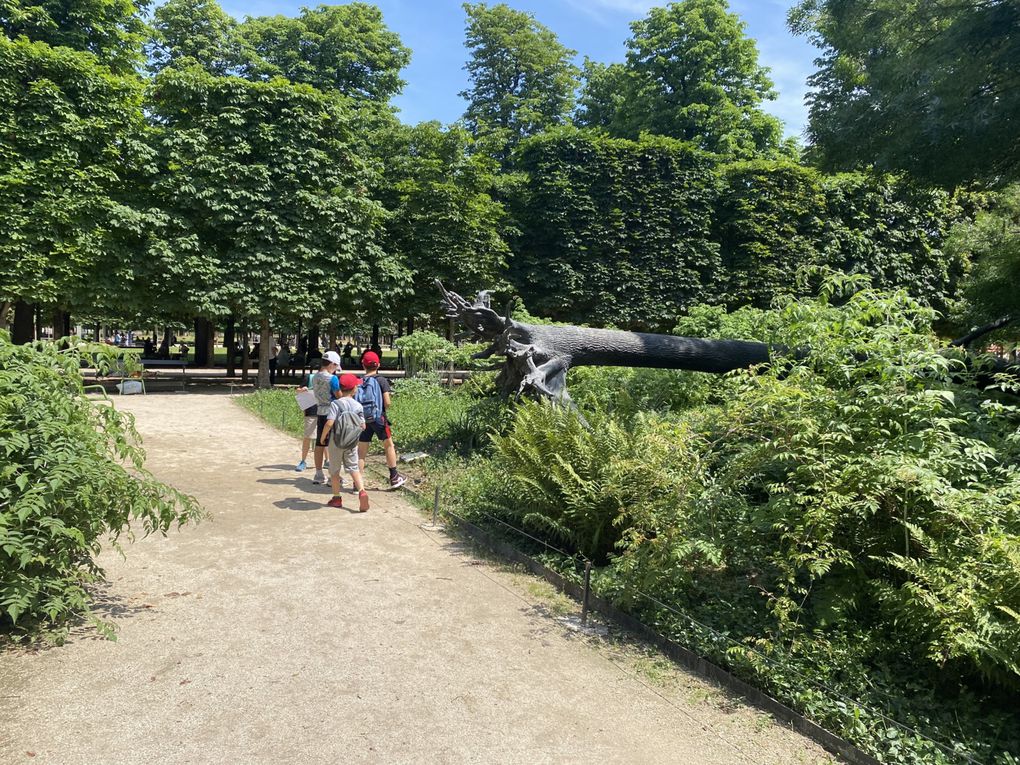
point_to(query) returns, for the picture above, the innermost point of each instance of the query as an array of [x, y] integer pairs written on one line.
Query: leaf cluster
[[71, 479]]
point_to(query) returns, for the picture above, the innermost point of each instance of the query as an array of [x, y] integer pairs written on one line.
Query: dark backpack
[[370, 397], [346, 430]]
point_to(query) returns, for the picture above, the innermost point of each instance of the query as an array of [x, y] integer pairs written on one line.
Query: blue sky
[[434, 31]]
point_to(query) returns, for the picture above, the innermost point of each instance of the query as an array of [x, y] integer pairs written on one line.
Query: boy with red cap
[[345, 423], [374, 396]]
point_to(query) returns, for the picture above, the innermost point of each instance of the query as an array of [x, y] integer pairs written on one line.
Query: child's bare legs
[[320, 453], [391, 453], [334, 482], [306, 445], [362, 453]]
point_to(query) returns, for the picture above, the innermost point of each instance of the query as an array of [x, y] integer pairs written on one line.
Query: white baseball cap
[[332, 357]]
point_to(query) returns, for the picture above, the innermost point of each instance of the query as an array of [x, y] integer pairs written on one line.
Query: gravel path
[[282, 631]]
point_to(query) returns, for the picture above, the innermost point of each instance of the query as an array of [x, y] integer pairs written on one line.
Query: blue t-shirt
[[325, 385]]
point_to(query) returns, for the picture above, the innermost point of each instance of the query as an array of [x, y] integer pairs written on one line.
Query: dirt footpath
[[283, 631]]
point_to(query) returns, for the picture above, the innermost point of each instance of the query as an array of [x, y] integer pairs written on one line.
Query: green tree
[[614, 231], [260, 178], [692, 74], [930, 87], [112, 30], [72, 133], [769, 220], [894, 231], [344, 48], [991, 245], [444, 222], [521, 77], [197, 31]]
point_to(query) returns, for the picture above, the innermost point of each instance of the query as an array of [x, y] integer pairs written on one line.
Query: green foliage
[[444, 222], [926, 87], [72, 133], [991, 245], [774, 218], [843, 525], [769, 220], [71, 478], [424, 351], [258, 175], [895, 232], [111, 30], [614, 231], [691, 74], [521, 77], [342, 48], [187, 32]]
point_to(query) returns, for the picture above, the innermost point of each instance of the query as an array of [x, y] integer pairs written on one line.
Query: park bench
[[157, 364]]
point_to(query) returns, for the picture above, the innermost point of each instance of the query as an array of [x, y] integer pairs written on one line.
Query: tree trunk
[[410, 325], [538, 357], [202, 327], [22, 331], [265, 350], [95, 333], [375, 337], [313, 338], [38, 322], [230, 343]]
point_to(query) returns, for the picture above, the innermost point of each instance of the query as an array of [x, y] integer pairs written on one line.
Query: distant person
[[345, 423], [348, 353], [374, 397], [326, 387], [273, 363], [148, 349], [283, 359]]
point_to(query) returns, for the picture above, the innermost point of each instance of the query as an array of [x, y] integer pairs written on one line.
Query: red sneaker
[[336, 502], [363, 501]]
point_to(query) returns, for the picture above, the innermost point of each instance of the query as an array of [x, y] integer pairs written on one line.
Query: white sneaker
[[320, 477]]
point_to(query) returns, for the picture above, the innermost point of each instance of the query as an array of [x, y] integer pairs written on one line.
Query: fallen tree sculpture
[[538, 356]]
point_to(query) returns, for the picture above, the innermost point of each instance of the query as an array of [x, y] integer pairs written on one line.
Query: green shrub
[[72, 476]]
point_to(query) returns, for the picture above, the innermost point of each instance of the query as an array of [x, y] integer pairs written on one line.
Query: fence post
[[435, 508], [587, 589]]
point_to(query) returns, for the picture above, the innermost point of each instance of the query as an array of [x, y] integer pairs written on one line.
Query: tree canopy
[[521, 76], [691, 73], [344, 48], [196, 31], [112, 30], [932, 88], [72, 132]]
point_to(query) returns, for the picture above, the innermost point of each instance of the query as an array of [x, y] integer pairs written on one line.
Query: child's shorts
[[310, 423], [340, 459]]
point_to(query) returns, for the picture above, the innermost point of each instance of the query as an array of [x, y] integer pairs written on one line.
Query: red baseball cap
[[349, 382], [371, 358]]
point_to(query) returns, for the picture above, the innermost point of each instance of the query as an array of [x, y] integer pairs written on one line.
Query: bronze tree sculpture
[[537, 357]]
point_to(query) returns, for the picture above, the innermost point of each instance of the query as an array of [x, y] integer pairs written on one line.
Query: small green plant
[[71, 478]]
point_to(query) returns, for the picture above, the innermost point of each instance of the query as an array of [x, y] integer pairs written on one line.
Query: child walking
[[344, 425], [374, 395]]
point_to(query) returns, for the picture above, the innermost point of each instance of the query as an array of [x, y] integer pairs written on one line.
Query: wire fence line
[[727, 639], [578, 557]]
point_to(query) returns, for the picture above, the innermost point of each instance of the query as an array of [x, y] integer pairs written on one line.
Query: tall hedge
[[769, 221], [614, 231]]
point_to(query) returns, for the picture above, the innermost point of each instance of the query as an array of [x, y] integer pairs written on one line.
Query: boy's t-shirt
[[324, 385]]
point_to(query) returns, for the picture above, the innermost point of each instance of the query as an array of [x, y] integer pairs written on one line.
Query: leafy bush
[[843, 525], [72, 475], [424, 351]]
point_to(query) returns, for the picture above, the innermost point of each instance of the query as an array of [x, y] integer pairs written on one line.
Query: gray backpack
[[346, 430]]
